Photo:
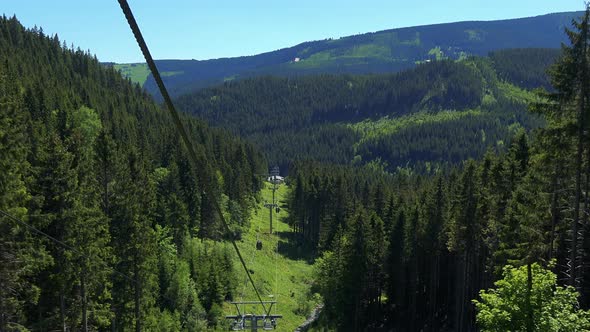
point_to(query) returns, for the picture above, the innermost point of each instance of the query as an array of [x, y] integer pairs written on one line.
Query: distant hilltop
[[384, 51]]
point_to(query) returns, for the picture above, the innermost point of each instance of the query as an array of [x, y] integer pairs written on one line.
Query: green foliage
[[95, 163], [282, 270], [441, 238], [379, 52], [462, 106], [388, 126], [91, 160], [555, 308], [136, 72], [515, 94], [525, 67], [436, 53], [21, 256], [566, 148]]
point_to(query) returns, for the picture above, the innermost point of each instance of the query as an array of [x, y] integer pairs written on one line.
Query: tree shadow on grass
[[291, 245]]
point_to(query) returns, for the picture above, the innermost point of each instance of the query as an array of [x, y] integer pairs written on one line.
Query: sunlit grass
[[137, 72], [370, 129], [280, 278]]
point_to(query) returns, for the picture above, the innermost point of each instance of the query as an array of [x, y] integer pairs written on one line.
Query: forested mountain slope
[[104, 225], [441, 112], [525, 67], [88, 158], [405, 252], [494, 245], [376, 52]]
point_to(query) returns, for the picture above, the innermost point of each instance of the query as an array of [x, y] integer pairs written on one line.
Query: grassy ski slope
[[283, 275]]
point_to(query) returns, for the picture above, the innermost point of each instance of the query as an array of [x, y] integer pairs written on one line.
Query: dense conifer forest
[[89, 159], [433, 116], [407, 252], [386, 51], [447, 197]]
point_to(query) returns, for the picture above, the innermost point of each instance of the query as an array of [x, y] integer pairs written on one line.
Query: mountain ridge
[[466, 107], [384, 51]]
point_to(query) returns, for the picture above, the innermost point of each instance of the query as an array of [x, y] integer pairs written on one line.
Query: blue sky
[[205, 29]]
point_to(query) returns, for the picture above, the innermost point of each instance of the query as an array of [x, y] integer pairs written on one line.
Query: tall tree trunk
[[530, 324], [460, 288], [578, 196], [586, 187], [554, 209], [581, 126], [465, 294], [62, 310], [137, 298], [412, 292], [84, 302], [585, 263], [450, 298], [433, 292], [114, 311], [3, 311]]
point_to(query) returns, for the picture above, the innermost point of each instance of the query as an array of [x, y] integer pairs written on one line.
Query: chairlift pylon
[[243, 321]]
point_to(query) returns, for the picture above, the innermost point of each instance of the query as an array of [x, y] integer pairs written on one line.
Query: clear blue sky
[[205, 29]]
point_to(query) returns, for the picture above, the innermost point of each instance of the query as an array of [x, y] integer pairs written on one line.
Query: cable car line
[[63, 244], [187, 142]]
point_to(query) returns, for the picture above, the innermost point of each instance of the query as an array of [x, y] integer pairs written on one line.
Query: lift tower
[[243, 320], [275, 179]]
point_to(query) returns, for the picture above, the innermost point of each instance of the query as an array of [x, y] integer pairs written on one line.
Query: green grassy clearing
[[350, 56], [172, 73], [370, 51], [284, 276], [137, 72], [516, 94], [370, 129]]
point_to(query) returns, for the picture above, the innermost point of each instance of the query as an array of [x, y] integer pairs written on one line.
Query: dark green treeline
[[313, 117], [406, 252], [89, 159]]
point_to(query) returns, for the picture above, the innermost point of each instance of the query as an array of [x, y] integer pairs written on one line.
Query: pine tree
[[463, 239], [56, 186], [395, 267], [434, 247], [105, 161], [376, 247], [135, 244], [20, 255], [571, 79], [88, 230], [357, 264]]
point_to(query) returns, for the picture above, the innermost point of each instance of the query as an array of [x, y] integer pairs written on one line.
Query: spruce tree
[[21, 256]]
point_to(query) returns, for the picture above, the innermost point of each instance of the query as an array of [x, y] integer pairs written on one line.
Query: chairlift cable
[[61, 243], [78, 252], [182, 131]]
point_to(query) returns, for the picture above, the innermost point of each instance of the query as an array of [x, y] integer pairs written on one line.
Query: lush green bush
[[554, 308]]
